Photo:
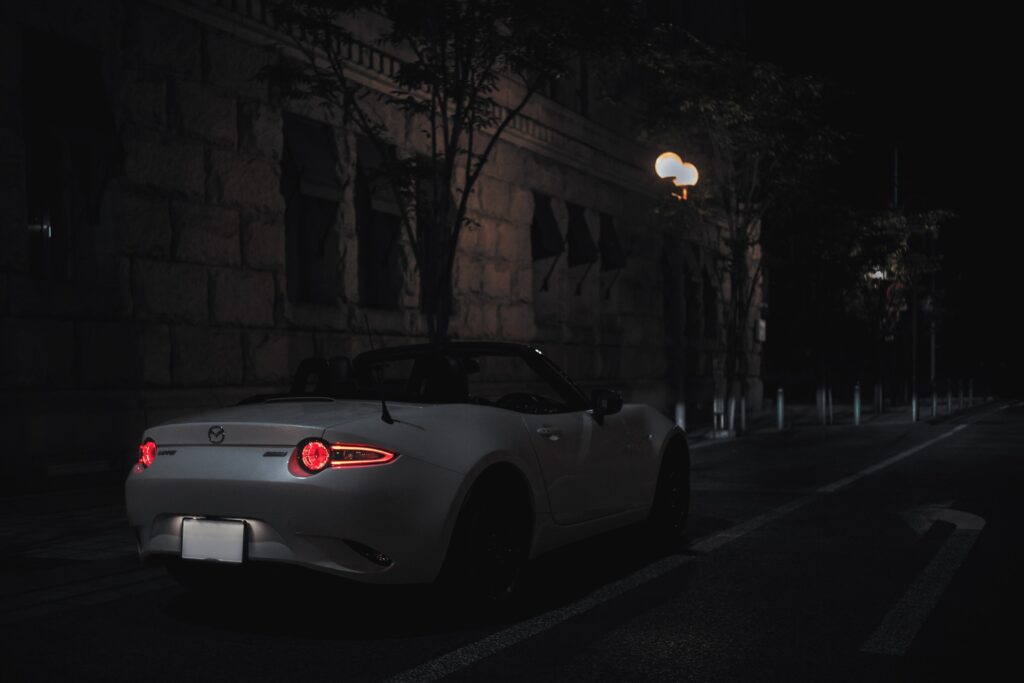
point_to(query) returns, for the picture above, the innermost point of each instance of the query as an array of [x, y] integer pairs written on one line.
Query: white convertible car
[[410, 464]]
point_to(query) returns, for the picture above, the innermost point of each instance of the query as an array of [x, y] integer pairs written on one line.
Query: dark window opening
[[312, 193], [613, 257], [433, 235], [378, 230], [71, 151], [582, 249]]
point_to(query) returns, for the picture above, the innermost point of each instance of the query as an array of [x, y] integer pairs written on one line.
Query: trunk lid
[[276, 423]]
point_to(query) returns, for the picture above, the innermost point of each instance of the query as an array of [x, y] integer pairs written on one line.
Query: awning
[[545, 237]]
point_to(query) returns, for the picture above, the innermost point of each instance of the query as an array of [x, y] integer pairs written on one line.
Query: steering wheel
[[524, 403]]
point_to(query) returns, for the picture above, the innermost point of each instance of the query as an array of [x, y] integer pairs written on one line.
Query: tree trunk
[[735, 348]]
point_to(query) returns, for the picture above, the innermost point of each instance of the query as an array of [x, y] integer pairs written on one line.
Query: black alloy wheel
[[489, 548]]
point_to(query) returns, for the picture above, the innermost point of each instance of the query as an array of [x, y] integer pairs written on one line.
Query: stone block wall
[[179, 299]]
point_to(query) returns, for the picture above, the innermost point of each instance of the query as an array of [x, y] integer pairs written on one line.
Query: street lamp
[[683, 174]]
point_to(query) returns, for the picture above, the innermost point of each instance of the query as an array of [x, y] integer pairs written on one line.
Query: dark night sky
[[939, 84]]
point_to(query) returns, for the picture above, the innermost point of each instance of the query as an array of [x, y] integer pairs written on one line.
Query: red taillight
[[349, 455], [314, 456], [147, 452]]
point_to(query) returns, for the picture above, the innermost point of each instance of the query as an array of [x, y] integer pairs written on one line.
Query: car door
[[580, 457], [582, 462]]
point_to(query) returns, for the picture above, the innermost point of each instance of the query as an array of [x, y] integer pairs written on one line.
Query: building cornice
[[563, 136]]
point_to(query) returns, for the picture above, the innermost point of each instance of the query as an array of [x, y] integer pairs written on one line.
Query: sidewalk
[[806, 416]]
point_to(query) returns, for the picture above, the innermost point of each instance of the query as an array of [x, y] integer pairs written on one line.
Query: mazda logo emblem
[[216, 434]]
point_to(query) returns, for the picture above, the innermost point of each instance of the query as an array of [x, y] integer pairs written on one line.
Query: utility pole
[[895, 176], [913, 352], [913, 291], [932, 313]]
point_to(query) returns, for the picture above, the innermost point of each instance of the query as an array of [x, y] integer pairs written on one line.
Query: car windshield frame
[[574, 398]]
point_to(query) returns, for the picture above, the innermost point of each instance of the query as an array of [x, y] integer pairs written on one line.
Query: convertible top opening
[[504, 375]]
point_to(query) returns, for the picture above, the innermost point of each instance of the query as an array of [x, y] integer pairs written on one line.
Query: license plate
[[212, 539]]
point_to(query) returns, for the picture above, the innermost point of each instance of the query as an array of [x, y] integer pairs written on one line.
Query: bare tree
[[755, 132], [467, 69]]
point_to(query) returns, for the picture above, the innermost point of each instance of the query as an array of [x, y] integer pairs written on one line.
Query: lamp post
[[684, 175]]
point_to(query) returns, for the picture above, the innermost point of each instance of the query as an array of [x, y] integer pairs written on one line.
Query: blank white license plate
[[212, 539]]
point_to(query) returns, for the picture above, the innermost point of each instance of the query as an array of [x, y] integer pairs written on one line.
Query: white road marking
[[901, 625], [456, 660], [846, 481], [716, 541], [465, 656]]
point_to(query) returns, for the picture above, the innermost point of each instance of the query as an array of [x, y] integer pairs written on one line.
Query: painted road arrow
[[901, 625]]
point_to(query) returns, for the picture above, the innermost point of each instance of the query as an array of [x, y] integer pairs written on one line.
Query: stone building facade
[[156, 257]]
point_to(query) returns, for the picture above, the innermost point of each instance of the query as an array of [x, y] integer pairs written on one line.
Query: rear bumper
[[403, 510]]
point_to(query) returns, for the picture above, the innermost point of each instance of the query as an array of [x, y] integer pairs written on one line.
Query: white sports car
[[407, 465]]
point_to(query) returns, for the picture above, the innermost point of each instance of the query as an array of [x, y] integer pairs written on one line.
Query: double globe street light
[[683, 174]]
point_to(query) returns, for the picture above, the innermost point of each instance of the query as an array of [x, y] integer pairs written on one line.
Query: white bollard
[[719, 417], [780, 408], [856, 403]]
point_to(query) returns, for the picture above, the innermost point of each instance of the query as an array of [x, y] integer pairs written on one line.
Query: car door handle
[[549, 432]]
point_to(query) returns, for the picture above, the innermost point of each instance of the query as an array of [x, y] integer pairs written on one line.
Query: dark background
[[935, 83]]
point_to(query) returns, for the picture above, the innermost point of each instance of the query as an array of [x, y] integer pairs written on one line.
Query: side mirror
[[605, 402]]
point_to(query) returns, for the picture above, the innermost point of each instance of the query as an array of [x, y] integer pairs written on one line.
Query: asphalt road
[[884, 552]]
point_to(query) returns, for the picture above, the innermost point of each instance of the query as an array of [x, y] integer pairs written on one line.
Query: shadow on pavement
[[289, 601]]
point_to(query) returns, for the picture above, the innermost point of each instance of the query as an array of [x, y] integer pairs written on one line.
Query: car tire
[[490, 546], [671, 507]]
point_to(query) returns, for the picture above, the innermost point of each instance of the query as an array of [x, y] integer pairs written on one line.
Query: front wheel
[[671, 507]]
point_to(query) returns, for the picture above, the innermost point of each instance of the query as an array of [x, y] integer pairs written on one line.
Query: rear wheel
[[490, 544], [671, 507]]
